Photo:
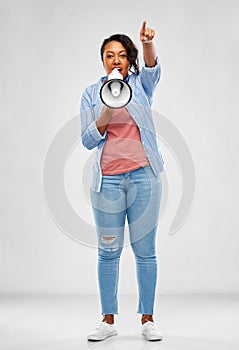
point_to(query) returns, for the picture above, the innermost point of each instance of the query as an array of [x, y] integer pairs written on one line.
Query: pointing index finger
[[143, 28]]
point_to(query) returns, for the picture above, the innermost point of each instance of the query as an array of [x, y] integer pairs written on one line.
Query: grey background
[[49, 53]]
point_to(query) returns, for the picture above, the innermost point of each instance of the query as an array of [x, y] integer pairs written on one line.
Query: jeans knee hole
[[108, 239]]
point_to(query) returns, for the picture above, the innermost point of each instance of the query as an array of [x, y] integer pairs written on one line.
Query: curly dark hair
[[131, 50]]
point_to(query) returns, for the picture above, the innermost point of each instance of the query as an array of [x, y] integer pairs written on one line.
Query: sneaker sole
[[96, 340], [152, 339], [156, 339]]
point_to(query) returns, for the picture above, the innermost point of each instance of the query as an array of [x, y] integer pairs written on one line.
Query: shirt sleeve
[[90, 135], [149, 77]]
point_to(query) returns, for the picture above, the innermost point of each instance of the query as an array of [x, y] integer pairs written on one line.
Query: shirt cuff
[[156, 66], [94, 132]]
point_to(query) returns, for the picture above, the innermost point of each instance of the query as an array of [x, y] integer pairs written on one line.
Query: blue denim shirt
[[143, 86]]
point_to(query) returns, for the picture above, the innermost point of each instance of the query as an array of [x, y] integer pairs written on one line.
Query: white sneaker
[[103, 330], [151, 332]]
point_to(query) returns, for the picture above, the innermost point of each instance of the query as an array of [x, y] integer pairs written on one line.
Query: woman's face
[[115, 56]]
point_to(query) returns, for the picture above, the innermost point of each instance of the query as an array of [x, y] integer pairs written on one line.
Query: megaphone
[[115, 93]]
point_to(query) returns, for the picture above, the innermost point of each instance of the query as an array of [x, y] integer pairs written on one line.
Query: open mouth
[[119, 69]]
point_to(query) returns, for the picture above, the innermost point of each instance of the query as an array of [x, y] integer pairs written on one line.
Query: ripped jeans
[[137, 195]]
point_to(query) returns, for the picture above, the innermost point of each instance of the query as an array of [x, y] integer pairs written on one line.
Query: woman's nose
[[116, 60]]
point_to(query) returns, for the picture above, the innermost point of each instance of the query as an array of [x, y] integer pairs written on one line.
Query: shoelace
[[100, 325], [151, 325]]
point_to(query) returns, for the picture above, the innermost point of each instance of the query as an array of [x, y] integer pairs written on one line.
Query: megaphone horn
[[115, 93]]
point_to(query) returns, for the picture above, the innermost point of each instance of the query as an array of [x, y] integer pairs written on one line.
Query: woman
[[126, 177]]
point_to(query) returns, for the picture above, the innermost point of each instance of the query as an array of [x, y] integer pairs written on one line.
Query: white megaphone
[[115, 93]]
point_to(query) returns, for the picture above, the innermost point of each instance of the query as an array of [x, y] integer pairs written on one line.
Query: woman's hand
[[146, 34], [149, 52]]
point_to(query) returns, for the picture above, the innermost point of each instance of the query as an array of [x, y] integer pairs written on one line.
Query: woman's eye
[[109, 56], [123, 56]]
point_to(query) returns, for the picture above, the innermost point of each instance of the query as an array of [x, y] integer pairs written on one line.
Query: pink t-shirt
[[123, 150]]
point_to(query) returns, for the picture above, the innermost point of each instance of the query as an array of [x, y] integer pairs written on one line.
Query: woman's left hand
[[146, 34]]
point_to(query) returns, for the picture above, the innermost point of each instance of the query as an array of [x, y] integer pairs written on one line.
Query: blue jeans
[[137, 195]]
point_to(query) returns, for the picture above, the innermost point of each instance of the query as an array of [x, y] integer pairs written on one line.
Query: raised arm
[[149, 51]]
